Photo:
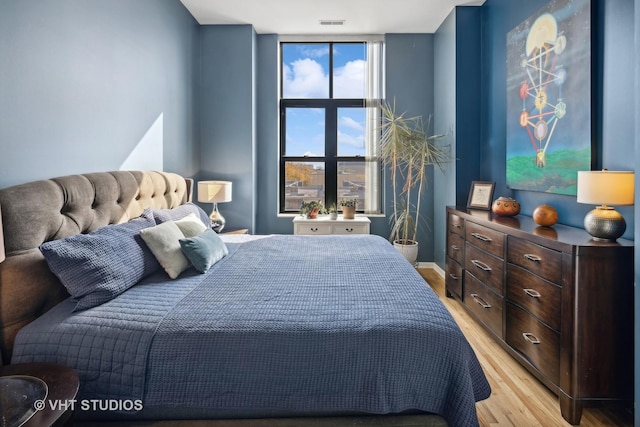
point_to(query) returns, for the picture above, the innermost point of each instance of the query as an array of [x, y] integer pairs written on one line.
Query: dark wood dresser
[[559, 302]]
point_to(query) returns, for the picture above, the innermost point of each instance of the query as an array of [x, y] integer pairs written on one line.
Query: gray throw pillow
[[179, 212]]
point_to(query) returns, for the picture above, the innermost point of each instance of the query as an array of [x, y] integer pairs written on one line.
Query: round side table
[[62, 383]]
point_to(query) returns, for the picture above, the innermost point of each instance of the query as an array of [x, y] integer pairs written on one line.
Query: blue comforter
[[284, 325]]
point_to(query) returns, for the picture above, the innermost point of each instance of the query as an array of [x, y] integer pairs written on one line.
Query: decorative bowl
[[505, 206]]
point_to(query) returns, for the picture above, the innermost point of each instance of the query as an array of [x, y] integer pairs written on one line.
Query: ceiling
[[302, 17]]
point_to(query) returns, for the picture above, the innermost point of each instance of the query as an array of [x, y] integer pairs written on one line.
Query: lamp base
[[217, 220], [605, 224]]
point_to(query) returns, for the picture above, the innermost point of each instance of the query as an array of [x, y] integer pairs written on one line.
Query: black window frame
[[330, 158]]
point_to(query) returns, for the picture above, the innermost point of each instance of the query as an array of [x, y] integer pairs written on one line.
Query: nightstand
[[239, 231], [323, 225], [62, 383]]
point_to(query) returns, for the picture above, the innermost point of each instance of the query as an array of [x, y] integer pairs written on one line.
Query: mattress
[[282, 326]]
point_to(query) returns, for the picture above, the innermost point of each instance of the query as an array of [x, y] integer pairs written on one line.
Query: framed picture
[[549, 97], [481, 195]]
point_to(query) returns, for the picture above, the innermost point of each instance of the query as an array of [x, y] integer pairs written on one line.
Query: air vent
[[332, 22]]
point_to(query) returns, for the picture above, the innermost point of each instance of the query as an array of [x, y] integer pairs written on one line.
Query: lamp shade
[[214, 191], [606, 187]]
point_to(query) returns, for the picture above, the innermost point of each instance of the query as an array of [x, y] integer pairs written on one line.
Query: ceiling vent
[[332, 22]]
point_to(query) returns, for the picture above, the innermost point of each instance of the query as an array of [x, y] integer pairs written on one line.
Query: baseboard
[[433, 266]]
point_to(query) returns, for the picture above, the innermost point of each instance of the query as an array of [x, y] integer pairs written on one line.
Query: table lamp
[[605, 188], [215, 192]]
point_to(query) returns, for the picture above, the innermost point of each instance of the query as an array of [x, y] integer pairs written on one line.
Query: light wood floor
[[518, 399]]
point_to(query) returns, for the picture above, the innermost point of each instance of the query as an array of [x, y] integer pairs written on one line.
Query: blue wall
[[81, 93], [227, 114], [99, 85], [612, 24], [409, 76], [457, 94]]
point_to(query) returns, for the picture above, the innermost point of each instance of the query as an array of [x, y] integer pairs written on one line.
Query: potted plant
[[407, 151], [349, 208], [333, 212], [312, 208]]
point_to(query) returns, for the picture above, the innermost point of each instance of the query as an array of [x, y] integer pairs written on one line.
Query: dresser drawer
[[536, 295], [484, 303], [312, 228], [536, 341], [453, 278], [542, 261], [455, 224], [487, 268], [489, 240], [349, 229], [455, 247]]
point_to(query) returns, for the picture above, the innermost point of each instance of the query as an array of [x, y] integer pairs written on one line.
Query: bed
[[278, 326]]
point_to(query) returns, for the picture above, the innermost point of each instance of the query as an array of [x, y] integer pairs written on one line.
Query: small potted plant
[[348, 208], [333, 212], [312, 208]]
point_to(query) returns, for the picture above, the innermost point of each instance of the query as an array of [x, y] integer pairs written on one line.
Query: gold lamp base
[[604, 223]]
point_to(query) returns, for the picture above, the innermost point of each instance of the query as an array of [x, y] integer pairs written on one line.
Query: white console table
[[324, 225]]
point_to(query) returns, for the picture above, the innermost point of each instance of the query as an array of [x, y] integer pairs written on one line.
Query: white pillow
[[190, 225], [164, 242]]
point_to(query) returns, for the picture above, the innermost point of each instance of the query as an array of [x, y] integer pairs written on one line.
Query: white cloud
[[314, 52], [353, 140], [350, 123], [348, 81], [305, 78]]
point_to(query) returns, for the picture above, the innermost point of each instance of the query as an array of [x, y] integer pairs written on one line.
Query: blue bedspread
[[283, 325]]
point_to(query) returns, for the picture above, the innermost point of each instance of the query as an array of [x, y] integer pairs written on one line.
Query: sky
[[306, 75]]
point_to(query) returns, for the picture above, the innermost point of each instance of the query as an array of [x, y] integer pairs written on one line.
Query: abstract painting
[[549, 118]]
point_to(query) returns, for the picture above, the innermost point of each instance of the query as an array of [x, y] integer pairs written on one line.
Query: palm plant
[[407, 150]]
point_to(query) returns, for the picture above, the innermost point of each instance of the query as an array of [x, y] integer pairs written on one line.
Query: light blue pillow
[[204, 250], [97, 267], [179, 212]]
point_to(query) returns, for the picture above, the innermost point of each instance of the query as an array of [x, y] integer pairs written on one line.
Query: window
[[328, 121]]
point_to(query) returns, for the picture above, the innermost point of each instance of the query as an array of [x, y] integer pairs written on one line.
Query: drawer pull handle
[[532, 293], [531, 338], [348, 230], [453, 276], [480, 301], [314, 229], [481, 237], [455, 248], [532, 257], [456, 225], [481, 265]]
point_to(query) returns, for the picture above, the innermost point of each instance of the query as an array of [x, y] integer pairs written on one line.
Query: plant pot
[[333, 215], [408, 249], [313, 214], [348, 212]]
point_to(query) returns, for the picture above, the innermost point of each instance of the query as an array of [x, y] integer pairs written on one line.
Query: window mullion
[[331, 152]]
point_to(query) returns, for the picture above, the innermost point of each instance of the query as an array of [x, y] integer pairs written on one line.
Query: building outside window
[[329, 115]]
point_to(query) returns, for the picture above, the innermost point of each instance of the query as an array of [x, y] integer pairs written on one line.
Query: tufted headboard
[[40, 211]]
